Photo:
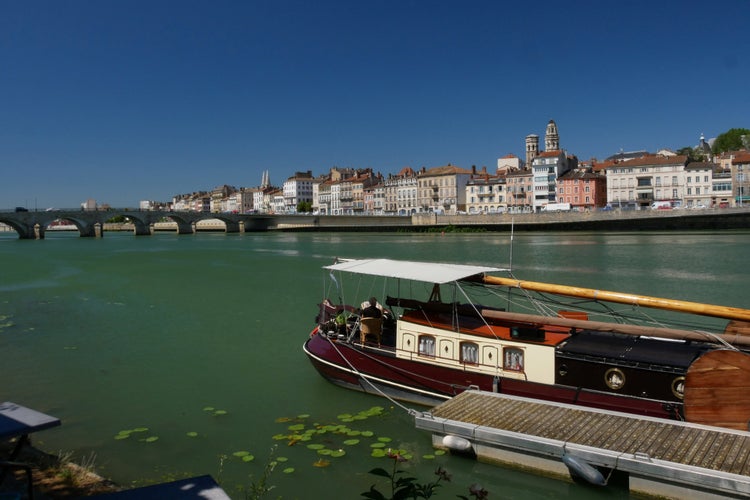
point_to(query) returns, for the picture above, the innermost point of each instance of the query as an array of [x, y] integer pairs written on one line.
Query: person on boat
[[372, 310]]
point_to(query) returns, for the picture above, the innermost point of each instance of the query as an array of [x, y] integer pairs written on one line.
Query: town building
[[741, 178], [485, 193], [297, 189], [637, 183], [442, 189], [400, 193], [519, 189], [583, 189], [698, 184], [546, 168]]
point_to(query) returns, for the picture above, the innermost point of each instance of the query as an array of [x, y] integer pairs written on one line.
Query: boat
[[446, 328]]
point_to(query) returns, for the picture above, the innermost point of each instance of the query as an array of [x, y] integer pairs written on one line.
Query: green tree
[[692, 154], [731, 140], [304, 206]]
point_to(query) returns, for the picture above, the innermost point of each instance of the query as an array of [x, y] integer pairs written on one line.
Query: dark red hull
[[378, 371]]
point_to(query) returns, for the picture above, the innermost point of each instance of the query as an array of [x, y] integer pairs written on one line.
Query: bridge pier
[[232, 227], [141, 229], [38, 232], [185, 227], [89, 231]]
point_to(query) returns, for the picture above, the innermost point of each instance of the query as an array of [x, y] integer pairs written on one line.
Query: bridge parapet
[[90, 223]]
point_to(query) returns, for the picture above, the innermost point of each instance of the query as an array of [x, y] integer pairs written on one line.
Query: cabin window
[[513, 359], [427, 345], [469, 353]]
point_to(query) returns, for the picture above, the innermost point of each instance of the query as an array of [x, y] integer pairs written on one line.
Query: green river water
[[198, 338]]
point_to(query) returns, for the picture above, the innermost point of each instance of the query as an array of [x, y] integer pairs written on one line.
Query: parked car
[[21, 209]]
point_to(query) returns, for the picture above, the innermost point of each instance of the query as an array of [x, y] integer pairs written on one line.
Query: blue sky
[[123, 101]]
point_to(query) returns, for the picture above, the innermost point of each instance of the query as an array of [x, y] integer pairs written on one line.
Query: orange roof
[[743, 157], [652, 160], [549, 154], [447, 170]]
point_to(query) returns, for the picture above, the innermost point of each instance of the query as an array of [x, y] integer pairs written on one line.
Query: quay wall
[[562, 221], [632, 220]]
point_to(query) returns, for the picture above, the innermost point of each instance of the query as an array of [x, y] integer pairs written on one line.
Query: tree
[[731, 140], [692, 153], [304, 207]]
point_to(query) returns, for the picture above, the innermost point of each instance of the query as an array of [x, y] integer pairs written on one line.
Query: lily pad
[[367, 433], [241, 453], [378, 453], [321, 463], [209, 408], [248, 458], [304, 415], [192, 434], [281, 459], [315, 446], [337, 453], [428, 457], [296, 427], [385, 439], [218, 413], [151, 439], [288, 470], [351, 442], [377, 445]]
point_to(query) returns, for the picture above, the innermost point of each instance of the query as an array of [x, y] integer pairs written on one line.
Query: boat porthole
[[678, 387], [563, 370], [614, 378]]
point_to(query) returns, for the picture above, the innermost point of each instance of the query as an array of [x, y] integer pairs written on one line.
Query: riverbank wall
[[615, 220]]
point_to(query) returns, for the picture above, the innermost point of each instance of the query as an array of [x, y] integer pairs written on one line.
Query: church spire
[[551, 138]]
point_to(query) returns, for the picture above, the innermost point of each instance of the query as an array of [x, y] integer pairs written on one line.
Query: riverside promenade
[[34, 225]]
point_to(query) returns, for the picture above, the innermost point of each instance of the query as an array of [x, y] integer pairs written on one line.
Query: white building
[[639, 182], [546, 168], [297, 189]]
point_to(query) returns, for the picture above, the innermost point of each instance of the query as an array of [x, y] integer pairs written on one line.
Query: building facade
[[442, 189], [639, 182]]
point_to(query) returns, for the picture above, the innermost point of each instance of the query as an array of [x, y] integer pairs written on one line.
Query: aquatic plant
[[407, 487]]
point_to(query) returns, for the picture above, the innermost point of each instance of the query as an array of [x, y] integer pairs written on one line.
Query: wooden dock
[[658, 457]]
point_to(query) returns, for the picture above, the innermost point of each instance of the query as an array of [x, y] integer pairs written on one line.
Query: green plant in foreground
[[403, 488], [259, 488]]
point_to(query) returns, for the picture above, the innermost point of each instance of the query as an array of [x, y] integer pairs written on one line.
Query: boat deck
[[668, 453]]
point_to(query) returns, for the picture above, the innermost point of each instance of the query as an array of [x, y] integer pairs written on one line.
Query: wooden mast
[[734, 313]]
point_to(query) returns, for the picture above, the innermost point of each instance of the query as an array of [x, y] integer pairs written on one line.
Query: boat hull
[[377, 370]]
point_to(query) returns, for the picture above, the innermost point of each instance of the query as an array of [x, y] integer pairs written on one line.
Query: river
[[193, 343]]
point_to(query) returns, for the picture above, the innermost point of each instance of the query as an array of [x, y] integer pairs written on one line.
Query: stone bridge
[[32, 225]]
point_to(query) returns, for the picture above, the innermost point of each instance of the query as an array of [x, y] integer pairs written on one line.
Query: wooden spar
[[624, 298], [602, 326]]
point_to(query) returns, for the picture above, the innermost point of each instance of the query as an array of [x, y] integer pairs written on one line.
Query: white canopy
[[430, 272]]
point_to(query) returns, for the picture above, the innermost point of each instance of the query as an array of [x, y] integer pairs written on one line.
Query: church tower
[[551, 139], [532, 148]]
